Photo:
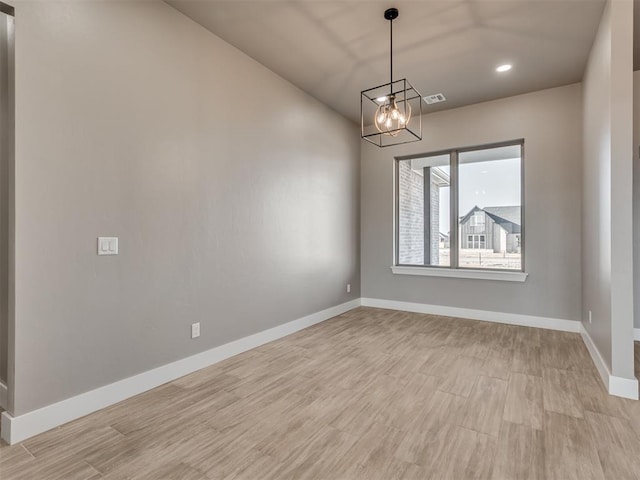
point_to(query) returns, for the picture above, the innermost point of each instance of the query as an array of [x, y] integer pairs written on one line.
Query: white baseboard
[[636, 334], [19, 428], [618, 386], [483, 315], [3, 395]]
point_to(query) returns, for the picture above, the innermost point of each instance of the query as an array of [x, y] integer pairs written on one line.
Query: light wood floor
[[371, 394]]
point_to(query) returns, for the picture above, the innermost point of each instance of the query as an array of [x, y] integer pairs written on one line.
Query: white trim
[[636, 334], [483, 315], [598, 361], [619, 386], [499, 275], [3, 395], [18, 428], [623, 387]]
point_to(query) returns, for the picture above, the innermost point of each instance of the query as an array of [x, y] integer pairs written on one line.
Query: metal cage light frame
[[391, 114]]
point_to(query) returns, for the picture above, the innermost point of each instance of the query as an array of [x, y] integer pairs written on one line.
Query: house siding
[[487, 230], [435, 224], [411, 217]]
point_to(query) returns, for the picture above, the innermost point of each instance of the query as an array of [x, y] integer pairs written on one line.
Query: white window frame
[[453, 269]]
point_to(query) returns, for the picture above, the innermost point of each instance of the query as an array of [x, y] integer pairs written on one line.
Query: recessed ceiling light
[[504, 68]]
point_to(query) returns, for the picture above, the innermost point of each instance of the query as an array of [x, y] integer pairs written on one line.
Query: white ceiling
[[335, 49]]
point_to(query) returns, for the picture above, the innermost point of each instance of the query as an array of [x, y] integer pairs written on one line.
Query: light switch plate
[[195, 330], [107, 245]]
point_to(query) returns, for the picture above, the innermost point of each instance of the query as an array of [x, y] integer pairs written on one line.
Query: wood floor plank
[[560, 393], [393, 469], [259, 467], [520, 453], [16, 455], [317, 456], [524, 404], [460, 376], [65, 468], [593, 395], [442, 409], [356, 418], [526, 351], [156, 440], [527, 336], [632, 410], [485, 406], [570, 452], [527, 359], [564, 351], [617, 446], [372, 454], [398, 411], [172, 472], [456, 452], [498, 365], [78, 436]]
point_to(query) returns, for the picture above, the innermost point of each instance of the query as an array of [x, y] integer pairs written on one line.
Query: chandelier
[[391, 114]]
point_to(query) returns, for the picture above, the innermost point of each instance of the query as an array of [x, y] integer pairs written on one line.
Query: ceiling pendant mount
[[391, 13], [390, 122]]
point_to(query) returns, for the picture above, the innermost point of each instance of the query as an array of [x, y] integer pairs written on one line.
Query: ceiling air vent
[[436, 98]]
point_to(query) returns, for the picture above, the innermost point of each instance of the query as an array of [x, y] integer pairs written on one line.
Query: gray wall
[[607, 280], [636, 196], [6, 129], [550, 122], [234, 194]]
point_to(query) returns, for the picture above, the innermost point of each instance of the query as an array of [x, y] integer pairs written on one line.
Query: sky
[[485, 184]]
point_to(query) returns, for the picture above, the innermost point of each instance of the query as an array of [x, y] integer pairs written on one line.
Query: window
[[478, 191], [477, 219], [475, 242]]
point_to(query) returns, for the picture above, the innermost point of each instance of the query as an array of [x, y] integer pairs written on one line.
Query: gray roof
[[510, 214]]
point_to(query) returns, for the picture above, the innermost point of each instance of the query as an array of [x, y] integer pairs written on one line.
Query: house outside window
[[477, 219], [479, 191]]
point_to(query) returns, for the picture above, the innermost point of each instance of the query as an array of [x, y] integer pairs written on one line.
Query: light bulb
[[389, 119]]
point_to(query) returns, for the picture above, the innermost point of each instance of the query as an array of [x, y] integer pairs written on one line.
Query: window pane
[[489, 202], [424, 227]]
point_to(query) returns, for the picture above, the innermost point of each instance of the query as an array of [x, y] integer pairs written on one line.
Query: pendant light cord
[[391, 53]]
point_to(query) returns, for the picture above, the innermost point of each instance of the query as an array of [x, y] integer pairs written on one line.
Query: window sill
[[500, 275]]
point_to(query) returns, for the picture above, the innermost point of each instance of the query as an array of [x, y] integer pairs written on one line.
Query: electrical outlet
[[348, 288], [195, 330], [589, 316]]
